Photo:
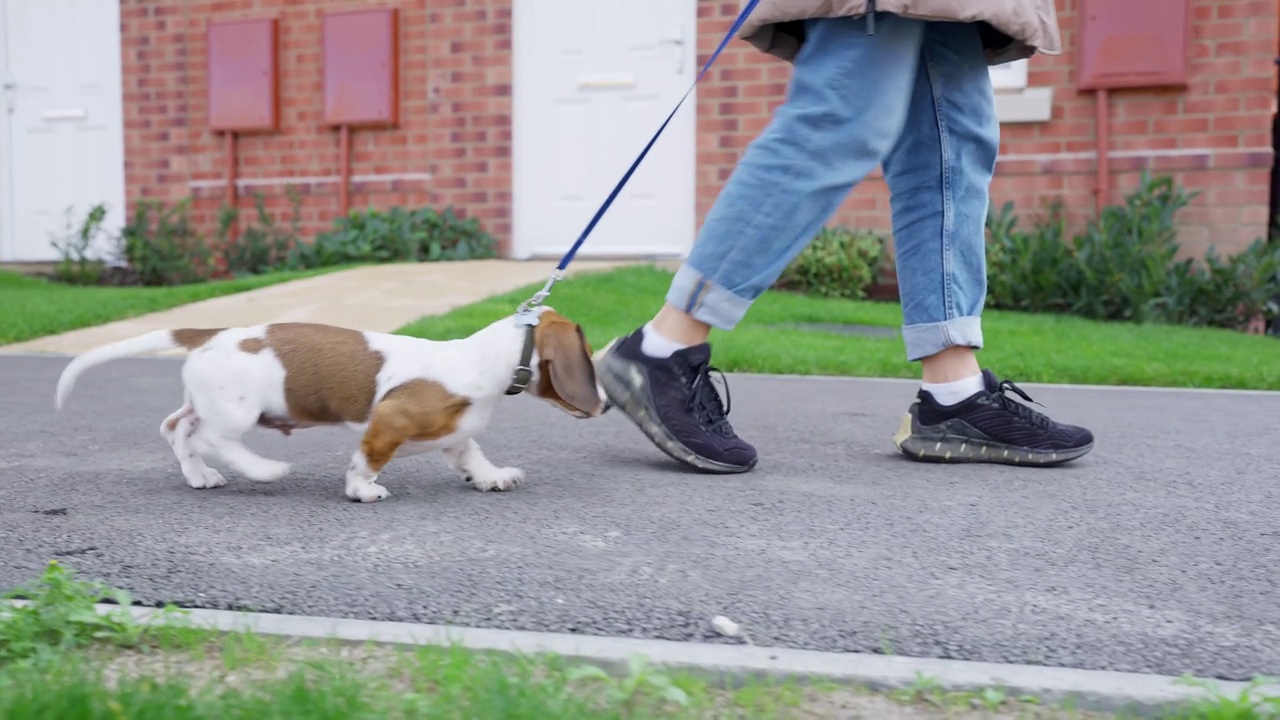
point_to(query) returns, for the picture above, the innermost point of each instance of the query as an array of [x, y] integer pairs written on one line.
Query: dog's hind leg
[[177, 430], [219, 432], [248, 463]]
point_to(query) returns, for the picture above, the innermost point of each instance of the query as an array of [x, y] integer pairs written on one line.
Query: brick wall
[[451, 147], [453, 143], [1214, 136]]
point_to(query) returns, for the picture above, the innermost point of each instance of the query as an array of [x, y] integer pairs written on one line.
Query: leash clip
[[525, 315]]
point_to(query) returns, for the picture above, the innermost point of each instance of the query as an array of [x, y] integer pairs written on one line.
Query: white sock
[[950, 393], [657, 345]]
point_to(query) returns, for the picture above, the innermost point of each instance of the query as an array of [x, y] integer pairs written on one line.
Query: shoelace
[[705, 402], [1027, 413]]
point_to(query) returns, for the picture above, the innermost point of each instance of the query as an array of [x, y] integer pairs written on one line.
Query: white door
[[64, 139], [592, 81]]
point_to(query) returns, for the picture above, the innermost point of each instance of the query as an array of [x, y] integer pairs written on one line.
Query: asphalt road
[[1156, 553]]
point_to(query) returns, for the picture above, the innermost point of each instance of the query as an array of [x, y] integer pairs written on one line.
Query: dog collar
[[524, 371]]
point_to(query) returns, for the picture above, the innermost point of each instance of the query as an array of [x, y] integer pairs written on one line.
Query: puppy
[[405, 395]]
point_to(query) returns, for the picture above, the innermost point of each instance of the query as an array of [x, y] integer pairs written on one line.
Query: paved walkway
[[379, 298]]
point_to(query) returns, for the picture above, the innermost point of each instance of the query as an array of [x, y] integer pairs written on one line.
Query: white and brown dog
[[406, 395]]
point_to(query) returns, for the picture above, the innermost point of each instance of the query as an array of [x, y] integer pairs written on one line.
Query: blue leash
[[538, 297]]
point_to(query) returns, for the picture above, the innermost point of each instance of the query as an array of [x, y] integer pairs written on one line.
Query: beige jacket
[[1011, 29]]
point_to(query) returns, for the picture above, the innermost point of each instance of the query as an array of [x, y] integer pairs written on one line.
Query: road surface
[[1158, 552]]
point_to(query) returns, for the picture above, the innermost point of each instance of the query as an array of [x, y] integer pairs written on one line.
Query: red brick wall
[[452, 145], [1213, 136]]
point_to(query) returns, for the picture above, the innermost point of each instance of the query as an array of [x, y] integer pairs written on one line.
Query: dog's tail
[[149, 342]]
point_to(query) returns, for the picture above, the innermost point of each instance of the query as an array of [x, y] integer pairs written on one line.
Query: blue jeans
[[915, 98]]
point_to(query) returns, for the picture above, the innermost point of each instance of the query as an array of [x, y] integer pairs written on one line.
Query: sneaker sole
[[629, 391], [938, 446]]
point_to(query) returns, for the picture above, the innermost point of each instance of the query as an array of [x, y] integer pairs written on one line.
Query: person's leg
[[939, 175], [845, 108]]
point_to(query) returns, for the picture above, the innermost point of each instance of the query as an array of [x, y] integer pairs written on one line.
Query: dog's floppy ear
[[567, 370]]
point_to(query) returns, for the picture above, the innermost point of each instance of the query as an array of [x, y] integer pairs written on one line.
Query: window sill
[[1025, 106]]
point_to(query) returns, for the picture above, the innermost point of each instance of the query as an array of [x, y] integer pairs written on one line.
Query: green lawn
[[32, 307], [1023, 347]]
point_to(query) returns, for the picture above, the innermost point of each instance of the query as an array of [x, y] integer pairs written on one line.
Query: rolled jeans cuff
[[705, 301], [928, 339]]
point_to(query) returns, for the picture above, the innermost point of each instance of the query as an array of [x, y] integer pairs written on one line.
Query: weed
[[627, 691], [927, 689], [1249, 704], [886, 641], [924, 688], [78, 262], [60, 615], [991, 698]]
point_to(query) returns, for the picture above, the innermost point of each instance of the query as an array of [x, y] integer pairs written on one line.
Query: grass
[[1022, 346], [59, 658], [34, 307]]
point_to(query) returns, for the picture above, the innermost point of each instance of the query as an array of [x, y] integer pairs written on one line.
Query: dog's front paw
[[367, 492], [206, 479], [500, 479]]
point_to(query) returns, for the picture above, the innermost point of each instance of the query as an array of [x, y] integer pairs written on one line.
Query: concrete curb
[[1084, 689]]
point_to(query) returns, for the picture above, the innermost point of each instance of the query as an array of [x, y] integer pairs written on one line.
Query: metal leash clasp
[[525, 313]]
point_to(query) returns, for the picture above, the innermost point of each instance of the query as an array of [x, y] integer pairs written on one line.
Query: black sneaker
[[674, 403], [989, 427]]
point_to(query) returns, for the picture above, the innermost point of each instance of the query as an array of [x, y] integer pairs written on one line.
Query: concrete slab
[[379, 298], [1156, 553]]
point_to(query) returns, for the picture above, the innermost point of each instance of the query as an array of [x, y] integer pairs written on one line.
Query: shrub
[[1125, 266], [262, 246], [1228, 292], [400, 235], [1029, 271], [1126, 258], [839, 263], [77, 263], [162, 247]]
